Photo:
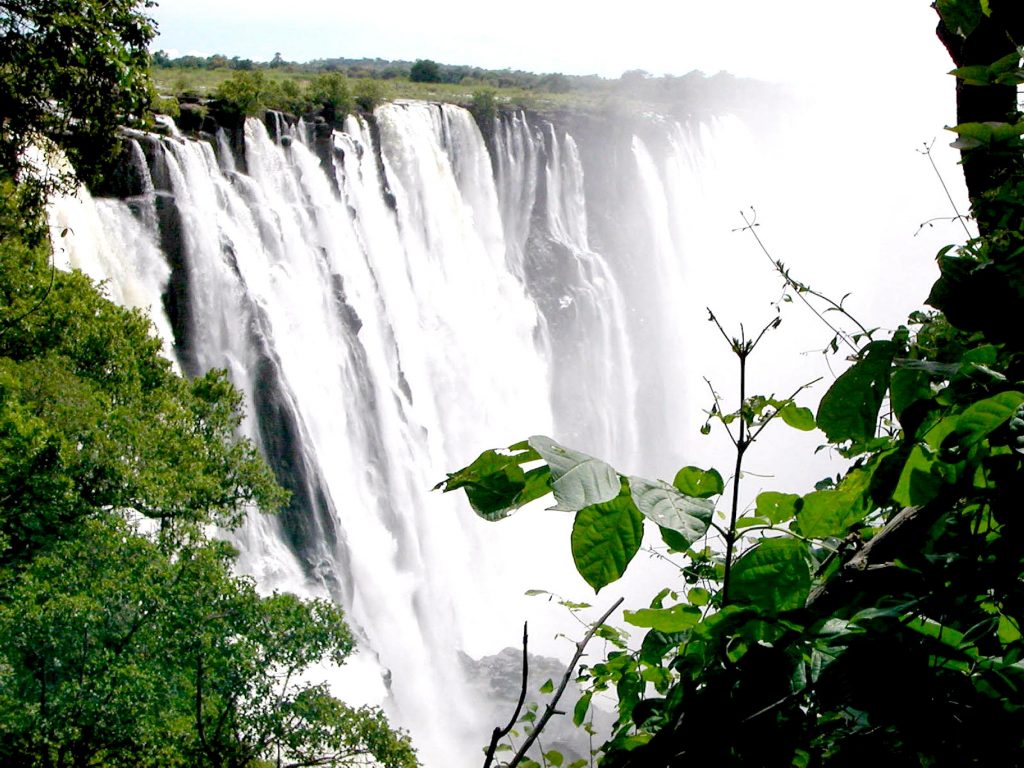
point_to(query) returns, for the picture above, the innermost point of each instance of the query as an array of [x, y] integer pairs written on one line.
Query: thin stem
[[550, 710], [801, 289], [741, 448], [718, 409], [499, 733], [927, 152]]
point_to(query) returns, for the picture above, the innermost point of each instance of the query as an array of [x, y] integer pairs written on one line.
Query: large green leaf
[[604, 539], [849, 410], [981, 418], [774, 576], [677, 618], [699, 483], [496, 484], [669, 508], [578, 480], [797, 417], [832, 512], [917, 484], [777, 507]]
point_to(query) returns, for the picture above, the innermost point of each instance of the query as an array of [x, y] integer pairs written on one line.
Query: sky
[[783, 40]]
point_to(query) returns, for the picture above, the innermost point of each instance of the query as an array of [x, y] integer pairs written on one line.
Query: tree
[[71, 72], [879, 613], [125, 638], [425, 71], [330, 89]]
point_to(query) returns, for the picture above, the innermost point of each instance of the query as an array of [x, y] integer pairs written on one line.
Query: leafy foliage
[[70, 72], [125, 637], [878, 614]]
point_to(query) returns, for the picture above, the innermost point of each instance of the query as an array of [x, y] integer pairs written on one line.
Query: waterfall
[[391, 299]]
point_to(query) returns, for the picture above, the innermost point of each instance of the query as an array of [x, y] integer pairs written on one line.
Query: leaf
[[849, 410], [797, 417], [960, 17], [579, 712], [671, 509], [774, 575], [548, 686], [777, 507], [604, 539], [917, 485], [675, 540], [698, 596], [699, 483], [832, 512], [496, 484], [678, 618], [578, 480], [981, 418], [908, 386]]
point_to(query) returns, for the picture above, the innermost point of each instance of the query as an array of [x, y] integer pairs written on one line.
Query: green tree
[[368, 93], [331, 91], [425, 71], [69, 73], [125, 638], [247, 93], [880, 613]]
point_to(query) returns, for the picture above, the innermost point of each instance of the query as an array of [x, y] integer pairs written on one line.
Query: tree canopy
[[70, 72], [126, 638]]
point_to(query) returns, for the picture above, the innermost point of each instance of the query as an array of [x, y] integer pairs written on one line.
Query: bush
[[425, 71], [331, 91], [246, 93], [368, 94]]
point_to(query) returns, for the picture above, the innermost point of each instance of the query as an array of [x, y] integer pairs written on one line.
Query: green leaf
[[604, 539], [981, 418], [548, 686], [675, 540], [797, 417], [917, 485], [832, 512], [579, 712], [678, 618], [578, 480], [849, 410], [959, 16], [554, 757], [773, 576], [777, 507], [698, 596], [669, 508], [699, 483], [907, 387], [496, 484]]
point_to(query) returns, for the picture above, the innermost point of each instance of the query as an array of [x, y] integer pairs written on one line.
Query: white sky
[[785, 39]]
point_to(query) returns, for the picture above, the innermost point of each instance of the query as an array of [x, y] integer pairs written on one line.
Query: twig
[[550, 710], [499, 733], [927, 152], [801, 289]]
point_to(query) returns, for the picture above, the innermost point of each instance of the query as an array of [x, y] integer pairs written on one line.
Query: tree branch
[[499, 733], [550, 710]]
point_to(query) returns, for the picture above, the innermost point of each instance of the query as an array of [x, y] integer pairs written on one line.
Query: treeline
[[422, 70]]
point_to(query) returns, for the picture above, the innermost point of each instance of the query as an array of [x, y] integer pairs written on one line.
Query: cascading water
[[393, 298]]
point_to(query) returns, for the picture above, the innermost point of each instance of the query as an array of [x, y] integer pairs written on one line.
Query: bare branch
[[551, 709], [499, 733]]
